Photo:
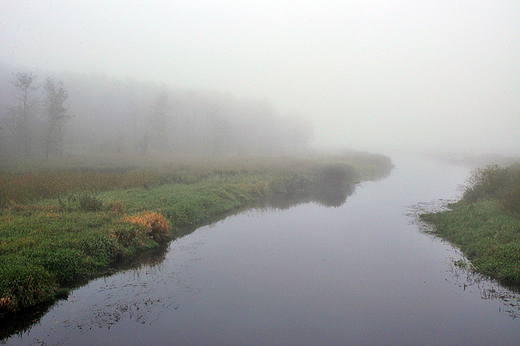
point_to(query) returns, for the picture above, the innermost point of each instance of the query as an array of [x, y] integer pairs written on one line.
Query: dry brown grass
[[155, 225], [21, 188], [16, 207]]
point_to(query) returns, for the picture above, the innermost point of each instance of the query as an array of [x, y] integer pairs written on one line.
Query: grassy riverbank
[[485, 223], [64, 221]]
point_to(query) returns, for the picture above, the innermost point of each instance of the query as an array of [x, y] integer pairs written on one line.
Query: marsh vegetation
[[63, 222], [485, 222]]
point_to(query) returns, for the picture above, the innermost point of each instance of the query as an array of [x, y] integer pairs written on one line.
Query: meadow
[[485, 223], [73, 219]]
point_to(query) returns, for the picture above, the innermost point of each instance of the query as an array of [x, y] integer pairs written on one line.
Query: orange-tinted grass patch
[[6, 304], [154, 223]]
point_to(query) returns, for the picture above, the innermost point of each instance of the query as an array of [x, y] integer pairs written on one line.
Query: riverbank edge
[[487, 236], [126, 222]]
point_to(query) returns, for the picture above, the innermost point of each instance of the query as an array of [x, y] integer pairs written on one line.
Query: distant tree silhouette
[[22, 114], [56, 115]]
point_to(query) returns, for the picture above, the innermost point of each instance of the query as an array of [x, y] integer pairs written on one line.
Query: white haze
[[435, 74]]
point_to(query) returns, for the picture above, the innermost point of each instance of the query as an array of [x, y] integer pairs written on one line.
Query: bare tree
[[56, 113], [21, 115]]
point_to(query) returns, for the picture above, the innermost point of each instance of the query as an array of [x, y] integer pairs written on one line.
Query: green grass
[[51, 236], [485, 223]]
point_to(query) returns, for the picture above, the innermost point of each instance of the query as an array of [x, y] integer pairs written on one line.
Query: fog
[[370, 75]]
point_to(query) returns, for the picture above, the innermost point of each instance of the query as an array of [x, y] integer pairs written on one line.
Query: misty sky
[[369, 74]]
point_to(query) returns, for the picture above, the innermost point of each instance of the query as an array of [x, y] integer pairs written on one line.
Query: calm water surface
[[358, 274]]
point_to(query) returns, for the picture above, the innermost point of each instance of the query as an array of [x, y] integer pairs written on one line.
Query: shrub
[[510, 197], [486, 183], [494, 183]]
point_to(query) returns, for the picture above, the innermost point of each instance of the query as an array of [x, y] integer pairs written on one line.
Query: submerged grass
[[485, 223], [58, 227]]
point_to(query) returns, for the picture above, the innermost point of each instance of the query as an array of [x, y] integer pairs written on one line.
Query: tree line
[[74, 113], [36, 119]]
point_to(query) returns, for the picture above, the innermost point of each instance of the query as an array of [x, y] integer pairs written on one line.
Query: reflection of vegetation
[[333, 195], [488, 289], [23, 320], [321, 194], [49, 244], [485, 223]]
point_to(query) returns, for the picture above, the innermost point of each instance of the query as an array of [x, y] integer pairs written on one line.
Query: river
[[362, 273]]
